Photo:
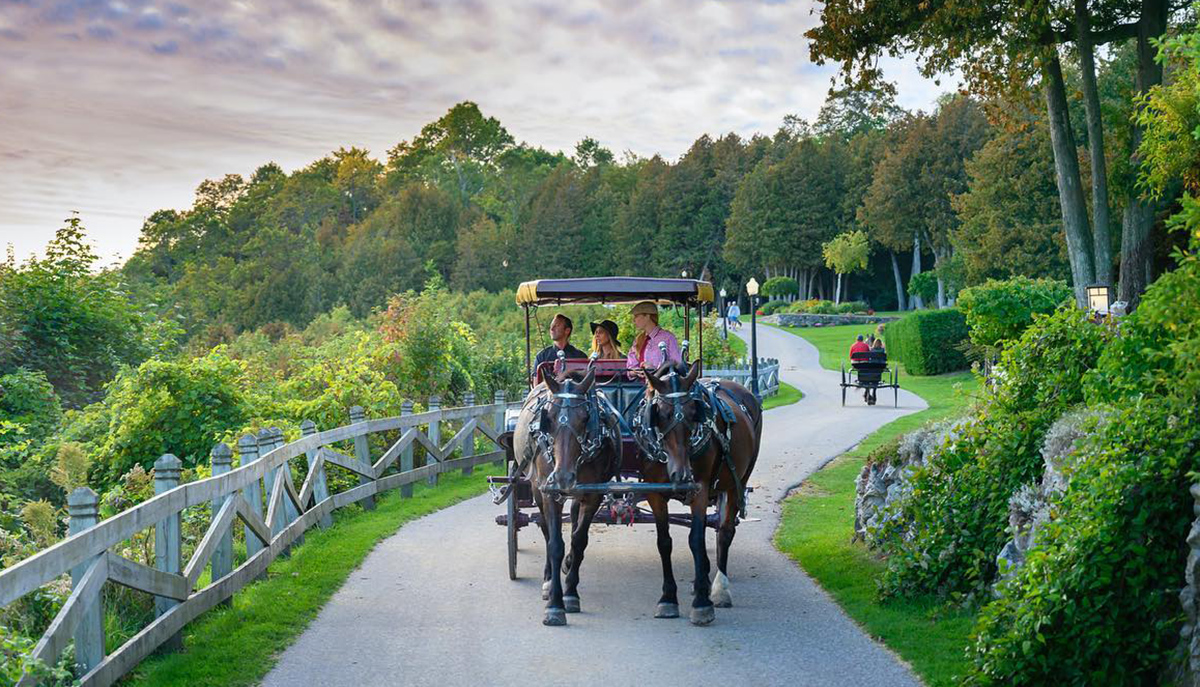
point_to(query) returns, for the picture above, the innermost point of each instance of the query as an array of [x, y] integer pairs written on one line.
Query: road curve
[[433, 603]]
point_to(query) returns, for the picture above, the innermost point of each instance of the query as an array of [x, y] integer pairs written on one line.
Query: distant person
[[859, 346], [877, 345], [732, 313], [645, 352], [605, 341], [560, 335]]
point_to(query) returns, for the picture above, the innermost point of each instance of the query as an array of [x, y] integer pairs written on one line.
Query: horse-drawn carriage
[[869, 371], [613, 439]]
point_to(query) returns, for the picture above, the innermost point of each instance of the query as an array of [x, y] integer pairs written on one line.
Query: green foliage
[[1096, 600], [852, 307], [1170, 117], [927, 341], [924, 285], [16, 662], [171, 407], [998, 311], [30, 409], [432, 352], [846, 253], [954, 520], [780, 286], [76, 327], [772, 307]]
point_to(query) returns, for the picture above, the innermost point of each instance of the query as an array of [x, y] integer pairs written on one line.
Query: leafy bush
[[772, 307], [823, 308], [1096, 601], [924, 286], [171, 407], [850, 307], [780, 286], [927, 341], [999, 310], [954, 520], [77, 327]]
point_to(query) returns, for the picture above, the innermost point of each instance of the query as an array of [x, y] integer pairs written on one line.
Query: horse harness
[[594, 435], [649, 438]]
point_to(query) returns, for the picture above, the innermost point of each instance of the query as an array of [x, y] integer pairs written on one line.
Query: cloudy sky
[[116, 108]]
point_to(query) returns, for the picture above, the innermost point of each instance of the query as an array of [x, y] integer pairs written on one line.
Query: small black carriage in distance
[[869, 371], [623, 496]]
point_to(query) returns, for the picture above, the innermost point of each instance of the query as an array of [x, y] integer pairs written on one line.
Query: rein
[[649, 437], [594, 435]]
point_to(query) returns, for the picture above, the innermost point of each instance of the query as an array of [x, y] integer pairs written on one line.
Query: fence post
[[435, 435], [248, 450], [406, 458], [498, 420], [362, 451], [468, 444], [84, 509], [167, 556], [222, 558], [290, 514], [320, 486]]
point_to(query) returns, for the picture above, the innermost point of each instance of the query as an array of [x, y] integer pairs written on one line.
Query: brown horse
[[703, 436], [565, 436]]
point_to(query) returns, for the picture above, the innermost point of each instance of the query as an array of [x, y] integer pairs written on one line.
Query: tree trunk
[[900, 301], [837, 293], [1101, 241], [916, 303], [1138, 220], [1070, 188], [808, 288]]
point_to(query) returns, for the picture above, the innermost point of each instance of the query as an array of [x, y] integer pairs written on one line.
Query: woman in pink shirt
[[645, 349]]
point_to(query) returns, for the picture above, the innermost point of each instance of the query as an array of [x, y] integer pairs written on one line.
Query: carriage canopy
[[608, 290]]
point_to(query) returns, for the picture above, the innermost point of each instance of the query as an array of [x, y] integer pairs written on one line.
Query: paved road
[[433, 604]]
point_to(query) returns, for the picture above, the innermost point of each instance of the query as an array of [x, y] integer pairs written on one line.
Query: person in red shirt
[[859, 346]]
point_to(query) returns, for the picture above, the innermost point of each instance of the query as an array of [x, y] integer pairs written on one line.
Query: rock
[[812, 320]]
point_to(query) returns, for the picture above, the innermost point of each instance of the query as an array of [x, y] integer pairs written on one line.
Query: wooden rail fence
[[271, 526], [768, 375]]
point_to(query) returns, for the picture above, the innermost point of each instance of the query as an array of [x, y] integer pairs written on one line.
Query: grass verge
[[239, 645], [818, 524], [786, 396]]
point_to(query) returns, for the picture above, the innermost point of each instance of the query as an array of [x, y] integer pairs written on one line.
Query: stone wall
[[788, 319]]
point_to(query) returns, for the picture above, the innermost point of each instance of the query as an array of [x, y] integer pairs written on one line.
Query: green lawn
[[239, 645], [786, 396], [818, 525]]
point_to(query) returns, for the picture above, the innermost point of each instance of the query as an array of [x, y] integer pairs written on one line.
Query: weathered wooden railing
[[233, 494], [768, 375]]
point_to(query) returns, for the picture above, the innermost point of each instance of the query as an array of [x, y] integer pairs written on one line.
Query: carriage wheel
[[843, 395], [512, 525]]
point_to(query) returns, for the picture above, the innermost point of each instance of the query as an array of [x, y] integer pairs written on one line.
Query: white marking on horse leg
[[719, 594]]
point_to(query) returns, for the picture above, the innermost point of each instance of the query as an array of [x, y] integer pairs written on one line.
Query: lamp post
[[1099, 298], [724, 318], [752, 291]]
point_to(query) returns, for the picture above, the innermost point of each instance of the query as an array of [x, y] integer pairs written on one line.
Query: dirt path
[[433, 604]]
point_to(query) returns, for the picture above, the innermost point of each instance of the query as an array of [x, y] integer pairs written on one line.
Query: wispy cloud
[[119, 107]]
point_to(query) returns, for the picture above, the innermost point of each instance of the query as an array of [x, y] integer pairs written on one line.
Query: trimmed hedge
[[771, 307], [927, 341]]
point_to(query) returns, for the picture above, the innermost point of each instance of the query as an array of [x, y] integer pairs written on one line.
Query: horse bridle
[[649, 438], [594, 436]]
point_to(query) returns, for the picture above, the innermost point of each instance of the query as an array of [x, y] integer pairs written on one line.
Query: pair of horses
[[701, 436]]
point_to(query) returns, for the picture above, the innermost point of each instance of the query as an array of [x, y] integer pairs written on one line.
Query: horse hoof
[[720, 592], [703, 615], [571, 603], [555, 617], [546, 590], [666, 610]]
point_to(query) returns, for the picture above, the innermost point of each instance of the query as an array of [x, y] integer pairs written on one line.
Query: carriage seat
[[869, 365]]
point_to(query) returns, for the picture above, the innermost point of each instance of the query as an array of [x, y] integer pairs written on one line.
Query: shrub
[[954, 520], [998, 311], [924, 286], [780, 286], [850, 307], [927, 341], [171, 407], [772, 307], [823, 308], [1096, 601]]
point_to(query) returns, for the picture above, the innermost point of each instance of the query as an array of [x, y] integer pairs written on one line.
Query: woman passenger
[[604, 340], [645, 353]]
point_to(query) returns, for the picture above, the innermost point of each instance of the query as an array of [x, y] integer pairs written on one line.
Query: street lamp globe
[[752, 287], [723, 294]]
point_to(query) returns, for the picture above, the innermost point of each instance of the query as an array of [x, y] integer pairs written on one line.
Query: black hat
[[610, 327]]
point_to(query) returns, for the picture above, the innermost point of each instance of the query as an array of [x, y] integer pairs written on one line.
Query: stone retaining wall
[[788, 319]]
